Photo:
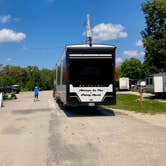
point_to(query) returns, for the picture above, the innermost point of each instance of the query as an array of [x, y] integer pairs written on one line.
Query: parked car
[[11, 89], [15, 88], [1, 89]]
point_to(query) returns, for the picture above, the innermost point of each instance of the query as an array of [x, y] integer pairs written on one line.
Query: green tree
[[46, 79], [33, 77], [27, 77], [6, 81], [118, 72], [154, 36], [132, 68]]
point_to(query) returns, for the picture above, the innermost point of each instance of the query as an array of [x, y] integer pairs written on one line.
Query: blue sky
[[34, 32]]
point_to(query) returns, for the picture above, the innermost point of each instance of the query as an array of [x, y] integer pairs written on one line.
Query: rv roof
[[87, 45], [159, 74]]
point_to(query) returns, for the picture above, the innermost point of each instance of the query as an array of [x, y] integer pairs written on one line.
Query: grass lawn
[[131, 103]]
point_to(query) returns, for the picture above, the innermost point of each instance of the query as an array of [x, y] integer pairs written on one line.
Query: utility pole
[[88, 30]]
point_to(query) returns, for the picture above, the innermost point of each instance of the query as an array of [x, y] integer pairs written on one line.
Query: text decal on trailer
[[89, 94]]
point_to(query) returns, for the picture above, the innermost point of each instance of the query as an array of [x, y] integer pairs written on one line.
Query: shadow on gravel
[[29, 111], [88, 112]]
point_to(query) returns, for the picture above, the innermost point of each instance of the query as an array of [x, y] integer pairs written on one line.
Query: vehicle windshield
[[91, 72]]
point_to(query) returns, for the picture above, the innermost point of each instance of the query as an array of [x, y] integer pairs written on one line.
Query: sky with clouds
[[35, 32]]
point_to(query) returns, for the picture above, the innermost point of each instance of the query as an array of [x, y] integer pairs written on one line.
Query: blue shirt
[[36, 90]]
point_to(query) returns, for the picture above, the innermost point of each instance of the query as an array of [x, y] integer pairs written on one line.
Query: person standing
[[36, 93]]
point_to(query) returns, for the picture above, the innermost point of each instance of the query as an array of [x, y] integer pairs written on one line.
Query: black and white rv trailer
[[85, 75], [156, 84]]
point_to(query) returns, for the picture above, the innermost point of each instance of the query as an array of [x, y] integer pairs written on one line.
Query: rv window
[[147, 81], [58, 75], [64, 72], [151, 81]]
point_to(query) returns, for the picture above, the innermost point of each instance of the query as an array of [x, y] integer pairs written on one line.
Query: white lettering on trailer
[[91, 94]]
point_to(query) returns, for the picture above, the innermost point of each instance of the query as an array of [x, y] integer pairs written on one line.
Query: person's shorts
[[36, 94]]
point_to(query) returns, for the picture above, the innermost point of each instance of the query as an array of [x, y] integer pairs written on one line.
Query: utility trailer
[[124, 83], [85, 75], [156, 83]]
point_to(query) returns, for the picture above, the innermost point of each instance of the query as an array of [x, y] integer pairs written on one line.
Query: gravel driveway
[[41, 134]]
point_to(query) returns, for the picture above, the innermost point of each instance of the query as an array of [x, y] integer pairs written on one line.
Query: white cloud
[[119, 60], [5, 19], [108, 31], [7, 35], [9, 59], [139, 43], [134, 53], [142, 54]]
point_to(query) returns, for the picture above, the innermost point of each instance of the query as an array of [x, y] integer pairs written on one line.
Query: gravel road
[[41, 134]]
